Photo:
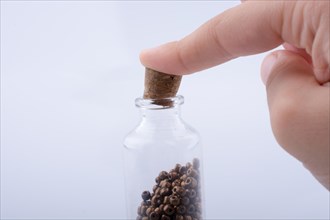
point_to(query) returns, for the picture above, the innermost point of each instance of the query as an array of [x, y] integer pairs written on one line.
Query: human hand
[[296, 79]]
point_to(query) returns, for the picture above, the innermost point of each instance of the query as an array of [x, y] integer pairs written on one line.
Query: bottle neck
[[161, 116], [157, 116]]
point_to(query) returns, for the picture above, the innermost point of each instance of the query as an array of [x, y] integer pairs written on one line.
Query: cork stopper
[[158, 85]]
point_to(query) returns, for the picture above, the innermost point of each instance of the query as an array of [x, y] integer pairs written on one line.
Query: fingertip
[[283, 61], [322, 75], [141, 57], [163, 58], [146, 56], [267, 66], [155, 58]]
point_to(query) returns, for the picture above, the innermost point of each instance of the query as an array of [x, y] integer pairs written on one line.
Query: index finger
[[249, 28]]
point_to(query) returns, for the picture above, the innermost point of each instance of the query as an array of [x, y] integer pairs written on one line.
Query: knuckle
[[215, 35]]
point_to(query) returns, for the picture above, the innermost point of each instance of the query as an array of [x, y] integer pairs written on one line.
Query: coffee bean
[[173, 176], [176, 196], [179, 190], [176, 182], [187, 217], [183, 183], [195, 163], [169, 210], [146, 195], [165, 183], [198, 206], [161, 207], [166, 200], [163, 175], [185, 200], [181, 209], [154, 216], [183, 177], [191, 209], [174, 200], [143, 210], [182, 170], [157, 192], [191, 193], [165, 192], [149, 210], [158, 211], [165, 217], [190, 182], [197, 199], [192, 172], [198, 215], [177, 168], [155, 200]]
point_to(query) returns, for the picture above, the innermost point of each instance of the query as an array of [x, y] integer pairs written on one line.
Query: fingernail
[[267, 66]]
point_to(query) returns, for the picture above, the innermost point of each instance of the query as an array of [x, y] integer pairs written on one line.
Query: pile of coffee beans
[[176, 195]]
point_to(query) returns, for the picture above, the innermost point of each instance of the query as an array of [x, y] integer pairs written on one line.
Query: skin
[[296, 78]]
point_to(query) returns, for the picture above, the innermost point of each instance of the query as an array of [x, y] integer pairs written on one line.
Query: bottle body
[[158, 155]]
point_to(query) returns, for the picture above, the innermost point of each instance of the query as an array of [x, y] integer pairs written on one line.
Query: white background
[[69, 76]]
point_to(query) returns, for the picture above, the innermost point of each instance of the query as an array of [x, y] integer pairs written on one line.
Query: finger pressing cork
[[158, 85]]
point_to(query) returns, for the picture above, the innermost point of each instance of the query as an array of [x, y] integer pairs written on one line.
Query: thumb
[[299, 110]]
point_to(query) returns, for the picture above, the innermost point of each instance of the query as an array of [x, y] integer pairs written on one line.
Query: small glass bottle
[[163, 167]]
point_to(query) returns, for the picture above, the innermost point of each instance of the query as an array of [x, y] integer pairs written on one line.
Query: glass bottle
[[162, 141]]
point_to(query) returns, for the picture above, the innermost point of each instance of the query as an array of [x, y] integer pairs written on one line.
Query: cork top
[[158, 85]]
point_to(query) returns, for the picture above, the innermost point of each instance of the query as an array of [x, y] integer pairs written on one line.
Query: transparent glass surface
[[163, 142]]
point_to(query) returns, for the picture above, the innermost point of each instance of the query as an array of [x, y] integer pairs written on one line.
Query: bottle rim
[[158, 104]]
